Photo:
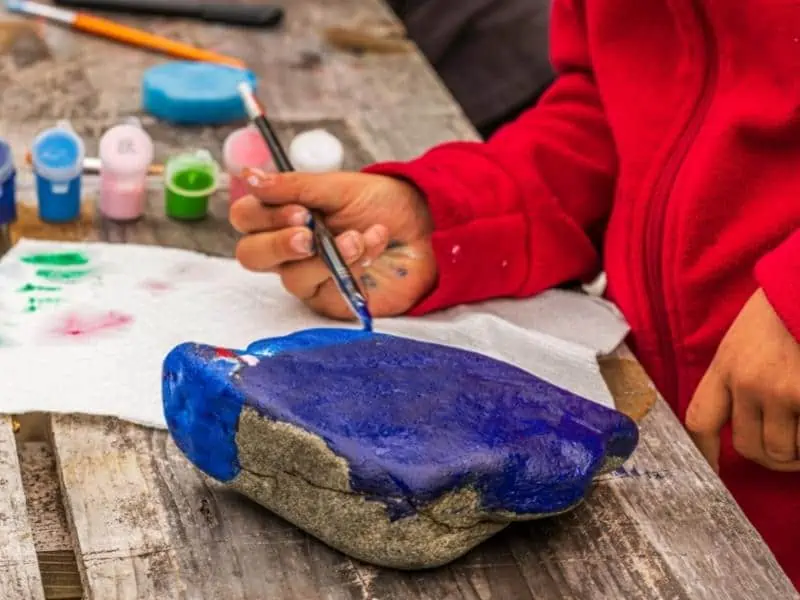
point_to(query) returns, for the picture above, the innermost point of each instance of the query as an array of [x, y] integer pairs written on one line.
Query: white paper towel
[[90, 338]]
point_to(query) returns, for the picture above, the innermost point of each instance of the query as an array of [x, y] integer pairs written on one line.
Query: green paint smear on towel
[[57, 259], [57, 276], [35, 304], [32, 287]]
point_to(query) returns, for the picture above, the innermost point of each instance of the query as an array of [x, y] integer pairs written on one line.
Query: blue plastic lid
[[58, 153], [6, 161], [195, 93]]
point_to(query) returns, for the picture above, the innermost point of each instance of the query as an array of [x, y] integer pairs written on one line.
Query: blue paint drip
[[413, 420]]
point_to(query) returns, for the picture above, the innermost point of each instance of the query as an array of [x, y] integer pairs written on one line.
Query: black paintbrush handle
[[251, 15]]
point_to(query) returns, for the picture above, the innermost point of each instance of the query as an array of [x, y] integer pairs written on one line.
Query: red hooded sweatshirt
[[666, 152]]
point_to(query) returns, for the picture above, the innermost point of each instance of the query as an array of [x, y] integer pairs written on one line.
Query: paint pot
[[8, 175], [189, 180], [57, 157], [126, 152], [244, 148], [316, 151]]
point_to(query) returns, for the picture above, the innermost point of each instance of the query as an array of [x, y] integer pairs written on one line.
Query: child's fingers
[[747, 425], [249, 215], [303, 279], [327, 192], [267, 251], [709, 411], [780, 434]]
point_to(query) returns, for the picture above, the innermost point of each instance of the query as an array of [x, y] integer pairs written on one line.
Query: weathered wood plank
[[151, 527], [51, 537], [19, 569]]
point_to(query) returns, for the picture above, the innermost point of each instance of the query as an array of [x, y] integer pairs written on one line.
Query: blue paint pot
[[8, 204], [58, 164]]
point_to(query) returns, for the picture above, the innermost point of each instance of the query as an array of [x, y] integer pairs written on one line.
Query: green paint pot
[[189, 181]]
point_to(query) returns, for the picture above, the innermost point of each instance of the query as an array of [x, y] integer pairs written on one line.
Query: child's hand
[[383, 228], [754, 381]]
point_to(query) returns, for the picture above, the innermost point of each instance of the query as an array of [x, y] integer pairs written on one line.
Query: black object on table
[[251, 15]]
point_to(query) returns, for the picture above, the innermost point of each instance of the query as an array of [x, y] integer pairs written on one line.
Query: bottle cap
[[57, 153], [316, 151], [245, 148], [126, 149], [195, 93]]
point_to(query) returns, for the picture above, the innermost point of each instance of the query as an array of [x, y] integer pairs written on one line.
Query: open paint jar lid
[[189, 179], [57, 153]]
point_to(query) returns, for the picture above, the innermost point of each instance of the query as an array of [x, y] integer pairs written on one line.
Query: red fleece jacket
[[666, 152]]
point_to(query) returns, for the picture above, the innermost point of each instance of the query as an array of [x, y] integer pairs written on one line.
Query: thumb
[[327, 192], [708, 412]]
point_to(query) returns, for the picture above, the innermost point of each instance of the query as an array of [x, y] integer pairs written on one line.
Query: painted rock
[[397, 452]]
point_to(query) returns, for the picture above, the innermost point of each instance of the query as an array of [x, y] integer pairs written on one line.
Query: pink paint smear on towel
[[76, 325]]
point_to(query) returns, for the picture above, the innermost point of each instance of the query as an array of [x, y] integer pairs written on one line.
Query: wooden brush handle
[[137, 37]]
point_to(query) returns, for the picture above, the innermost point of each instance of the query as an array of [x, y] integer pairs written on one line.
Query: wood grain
[[147, 525], [19, 569], [51, 536]]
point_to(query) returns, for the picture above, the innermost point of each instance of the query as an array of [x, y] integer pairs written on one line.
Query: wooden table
[[120, 506]]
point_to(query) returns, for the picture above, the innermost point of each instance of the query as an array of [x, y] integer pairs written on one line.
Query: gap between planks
[[52, 541]]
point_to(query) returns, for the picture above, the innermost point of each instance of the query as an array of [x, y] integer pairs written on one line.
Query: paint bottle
[[8, 175], [189, 180], [126, 152], [316, 151], [8, 200], [244, 148], [57, 157]]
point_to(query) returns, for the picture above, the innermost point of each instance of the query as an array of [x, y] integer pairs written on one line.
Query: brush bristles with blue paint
[[325, 243]]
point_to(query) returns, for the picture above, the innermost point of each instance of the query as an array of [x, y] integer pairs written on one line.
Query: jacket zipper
[[654, 241]]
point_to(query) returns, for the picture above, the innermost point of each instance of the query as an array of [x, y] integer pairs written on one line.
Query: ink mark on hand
[[369, 281]]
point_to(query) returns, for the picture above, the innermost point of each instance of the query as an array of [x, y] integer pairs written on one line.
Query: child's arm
[[513, 216]]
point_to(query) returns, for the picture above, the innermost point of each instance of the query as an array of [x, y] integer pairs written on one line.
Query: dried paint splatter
[[154, 285], [75, 325], [59, 276], [57, 259], [32, 287], [34, 304]]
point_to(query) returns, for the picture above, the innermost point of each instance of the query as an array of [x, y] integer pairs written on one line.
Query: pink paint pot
[[126, 152], [244, 148]]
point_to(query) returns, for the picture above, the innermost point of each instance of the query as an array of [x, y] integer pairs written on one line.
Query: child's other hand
[[754, 381], [382, 228]]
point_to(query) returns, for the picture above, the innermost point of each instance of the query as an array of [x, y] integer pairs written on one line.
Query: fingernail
[[301, 242], [373, 237], [258, 178], [349, 247], [298, 218]]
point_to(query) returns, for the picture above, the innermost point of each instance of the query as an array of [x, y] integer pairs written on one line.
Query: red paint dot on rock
[[224, 353]]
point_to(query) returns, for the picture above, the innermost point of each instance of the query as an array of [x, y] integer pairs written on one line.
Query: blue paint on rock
[[413, 420]]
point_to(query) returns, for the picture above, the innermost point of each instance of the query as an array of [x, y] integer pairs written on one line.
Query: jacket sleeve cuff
[[483, 252], [778, 274]]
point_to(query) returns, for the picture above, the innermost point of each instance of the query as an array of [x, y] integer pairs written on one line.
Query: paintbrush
[[325, 243], [106, 28]]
